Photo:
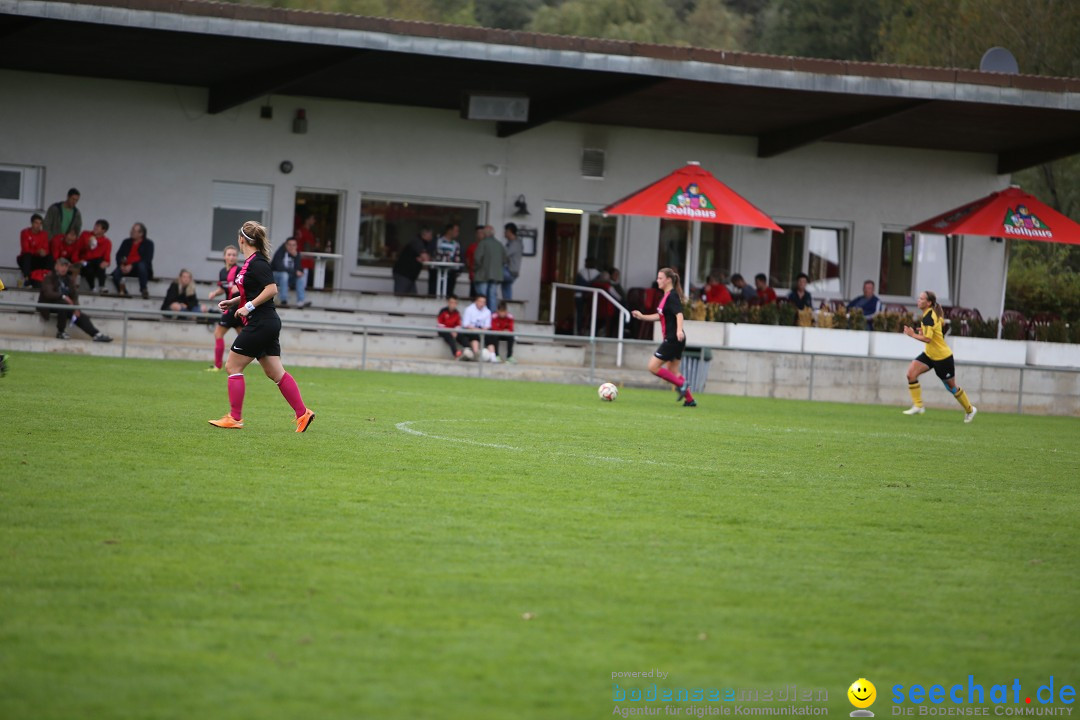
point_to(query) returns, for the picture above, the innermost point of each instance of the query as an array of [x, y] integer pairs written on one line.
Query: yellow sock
[[961, 397], [916, 393]]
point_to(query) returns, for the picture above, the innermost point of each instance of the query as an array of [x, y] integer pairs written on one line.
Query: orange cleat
[[228, 423], [304, 420]]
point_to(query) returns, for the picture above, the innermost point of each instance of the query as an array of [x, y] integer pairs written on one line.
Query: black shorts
[[229, 320], [670, 350], [945, 369], [257, 340]]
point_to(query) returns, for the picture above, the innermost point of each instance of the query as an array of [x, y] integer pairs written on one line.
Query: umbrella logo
[[1020, 222], [691, 203]]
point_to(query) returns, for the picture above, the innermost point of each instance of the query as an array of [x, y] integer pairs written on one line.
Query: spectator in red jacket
[[503, 321], [35, 253], [67, 246], [95, 250], [450, 319], [306, 241], [716, 292], [765, 294]]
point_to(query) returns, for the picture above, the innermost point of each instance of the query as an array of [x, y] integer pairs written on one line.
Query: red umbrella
[[692, 193], [1010, 213]]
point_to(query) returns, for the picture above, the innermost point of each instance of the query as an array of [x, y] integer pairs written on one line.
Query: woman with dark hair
[[669, 313], [226, 285], [135, 258], [937, 356], [258, 340]]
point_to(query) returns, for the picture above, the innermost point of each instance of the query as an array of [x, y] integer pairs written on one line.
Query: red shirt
[[502, 324], [449, 319], [61, 249], [133, 254], [470, 259], [717, 294], [103, 251], [768, 295], [33, 242], [305, 241]]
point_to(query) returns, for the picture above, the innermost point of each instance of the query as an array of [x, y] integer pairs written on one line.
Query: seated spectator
[[57, 289], [67, 246], [289, 272], [742, 290], [800, 296], [35, 253], [181, 295], [716, 292], [617, 290], [95, 250], [450, 319], [503, 321], [868, 302], [135, 258], [765, 294], [477, 317]]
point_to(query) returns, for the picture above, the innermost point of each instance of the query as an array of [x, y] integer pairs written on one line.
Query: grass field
[[455, 548]]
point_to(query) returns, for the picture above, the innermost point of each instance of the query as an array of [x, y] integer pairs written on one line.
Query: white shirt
[[476, 318]]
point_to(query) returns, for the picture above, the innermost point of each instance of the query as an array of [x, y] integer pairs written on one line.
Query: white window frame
[[846, 248], [918, 271], [31, 187], [248, 201]]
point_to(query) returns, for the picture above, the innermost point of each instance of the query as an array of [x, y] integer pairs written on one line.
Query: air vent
[[592, 164]]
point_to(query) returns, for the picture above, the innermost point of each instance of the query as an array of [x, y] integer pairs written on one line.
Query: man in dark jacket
[[57, 290], [135, 258], [63, 216], [289, 273], [410, 262]]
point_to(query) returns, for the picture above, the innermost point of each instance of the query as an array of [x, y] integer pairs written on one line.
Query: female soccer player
[[937, 356], [226, 286], [670, 315], [258, 339]]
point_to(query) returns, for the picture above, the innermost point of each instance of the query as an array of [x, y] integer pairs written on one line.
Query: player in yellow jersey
[[937, 356]]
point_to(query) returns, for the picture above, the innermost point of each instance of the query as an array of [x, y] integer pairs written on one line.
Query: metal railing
[[596, 293]]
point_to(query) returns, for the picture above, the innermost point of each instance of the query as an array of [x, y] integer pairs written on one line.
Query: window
[[21, 187], [386, 225], [933, 267], [601, 243], [674, 234], [820, 252], [235, 204], [897, 263], [715, 252]]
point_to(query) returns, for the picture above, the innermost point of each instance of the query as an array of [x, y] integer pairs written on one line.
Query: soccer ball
[[608, 391]]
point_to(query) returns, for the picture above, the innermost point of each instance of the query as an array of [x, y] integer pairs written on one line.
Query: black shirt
[[254, 279], [670, 325], [801, 303], [408, 262]]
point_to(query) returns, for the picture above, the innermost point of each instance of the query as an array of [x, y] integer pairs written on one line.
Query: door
[[317, 228], [572, 236]]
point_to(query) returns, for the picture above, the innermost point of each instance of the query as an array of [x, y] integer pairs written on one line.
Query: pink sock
[[236, 396], [219, 351], [689, 397], [291, 392], [671, 377]]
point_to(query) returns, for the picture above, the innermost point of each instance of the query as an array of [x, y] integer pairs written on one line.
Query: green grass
[[154, 567]]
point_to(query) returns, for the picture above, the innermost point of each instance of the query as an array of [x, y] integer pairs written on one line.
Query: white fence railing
[[596, 293]]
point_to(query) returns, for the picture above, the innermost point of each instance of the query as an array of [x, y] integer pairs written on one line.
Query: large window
[[897, 263], [674, 237], [911, 263], [932, 256], [386, 225], [820, 252], [21, 187], [235, 204], [714, 257]]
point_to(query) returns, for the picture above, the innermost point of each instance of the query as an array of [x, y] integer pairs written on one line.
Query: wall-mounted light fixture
[[299, 124]]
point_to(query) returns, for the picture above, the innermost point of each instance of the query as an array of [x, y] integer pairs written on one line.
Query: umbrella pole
[[1004, 287], [693, 233]]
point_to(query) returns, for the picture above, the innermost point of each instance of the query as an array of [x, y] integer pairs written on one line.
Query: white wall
[[149, 153]]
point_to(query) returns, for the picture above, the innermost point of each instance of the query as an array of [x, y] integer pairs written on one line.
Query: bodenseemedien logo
[[862, 695]]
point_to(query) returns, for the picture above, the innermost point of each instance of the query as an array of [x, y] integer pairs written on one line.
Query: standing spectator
[[477, 317], [182, 296], [63, 216], [490, 262], [95, 250], [409, 263], [716, 292], [67, 246], [585, 276], [742, 290], [450, 319], [764, 293], [306, 240], [35, 258], [869, 303], [135, 258], [617, 289], [446, 249], [800, 296], [289, 272], [57, 290], [503, 321], [470, 259], [514, 252]]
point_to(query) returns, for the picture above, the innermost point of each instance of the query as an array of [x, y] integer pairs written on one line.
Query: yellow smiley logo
[[862, 693]]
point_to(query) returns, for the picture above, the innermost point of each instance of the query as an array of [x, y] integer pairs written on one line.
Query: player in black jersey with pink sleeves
[[226, 286], [258, 339], [670, 315]]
